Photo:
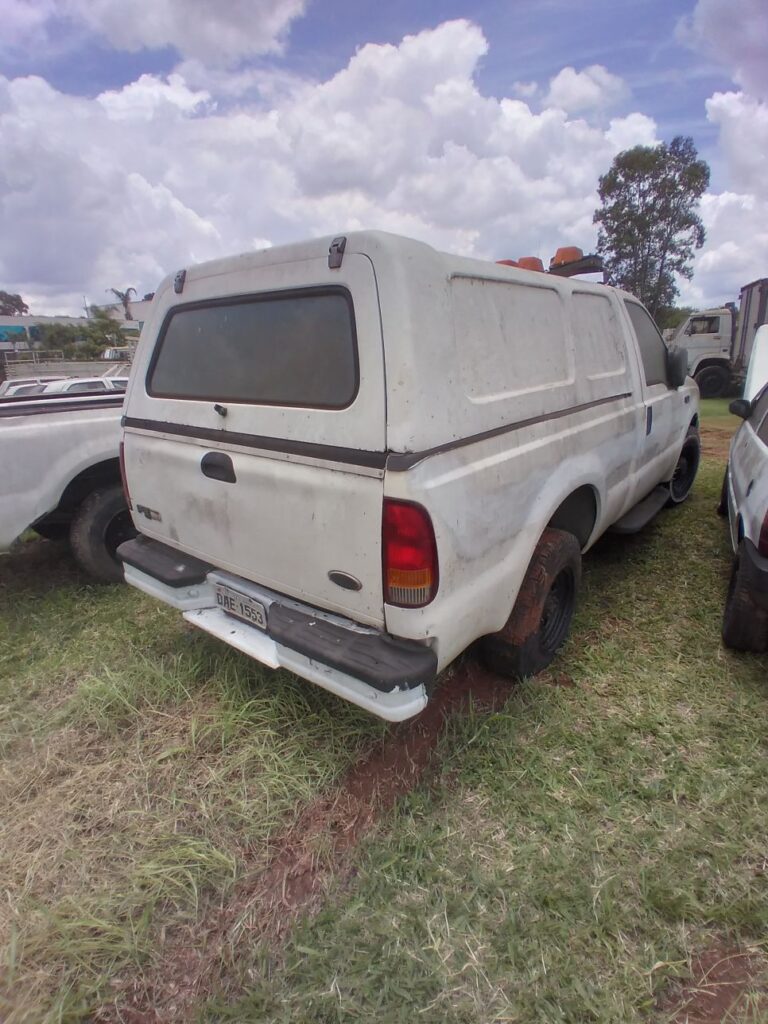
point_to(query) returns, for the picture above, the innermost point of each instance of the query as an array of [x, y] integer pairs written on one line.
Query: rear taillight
[[126, 492], [762, 540], [409, 555]]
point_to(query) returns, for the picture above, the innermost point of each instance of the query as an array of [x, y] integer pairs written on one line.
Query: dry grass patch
[[144, 768]]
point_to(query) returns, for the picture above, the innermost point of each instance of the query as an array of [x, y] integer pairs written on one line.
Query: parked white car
[[85, 385], [354, 460], [745, 501], [61, 476], [19, 386]]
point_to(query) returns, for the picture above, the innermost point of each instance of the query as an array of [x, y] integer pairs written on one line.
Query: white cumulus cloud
[[148, 96], [733, 33], [593, 88], [216, 33], [122, 188]]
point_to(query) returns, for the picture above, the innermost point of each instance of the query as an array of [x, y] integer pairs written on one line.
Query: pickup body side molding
[[309, 449], [400, 462], [34, 408], [394, 461]]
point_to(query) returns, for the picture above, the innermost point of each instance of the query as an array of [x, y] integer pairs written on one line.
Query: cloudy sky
[[138, 136]]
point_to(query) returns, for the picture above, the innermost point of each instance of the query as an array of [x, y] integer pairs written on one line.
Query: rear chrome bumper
[[387, 676]]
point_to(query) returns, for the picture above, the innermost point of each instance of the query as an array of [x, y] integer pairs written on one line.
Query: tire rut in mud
[[311, 854]]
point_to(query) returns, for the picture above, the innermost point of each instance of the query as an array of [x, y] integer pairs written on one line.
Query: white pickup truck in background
[[61, 476]]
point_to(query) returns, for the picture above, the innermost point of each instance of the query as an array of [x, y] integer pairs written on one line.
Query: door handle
[[218, 466], [648, 420]]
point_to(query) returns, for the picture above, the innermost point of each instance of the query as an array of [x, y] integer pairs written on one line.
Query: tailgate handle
[[218, 466]]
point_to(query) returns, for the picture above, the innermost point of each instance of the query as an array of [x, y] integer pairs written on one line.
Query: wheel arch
[[708, 361], [99, 474], [577, 514]]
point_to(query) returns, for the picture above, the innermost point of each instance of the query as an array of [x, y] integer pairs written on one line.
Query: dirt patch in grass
[[715, 443], [725, 986], [309, 855]]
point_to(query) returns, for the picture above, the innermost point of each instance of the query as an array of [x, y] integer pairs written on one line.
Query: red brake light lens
[[409, 555], [122, 475], [762, 540]]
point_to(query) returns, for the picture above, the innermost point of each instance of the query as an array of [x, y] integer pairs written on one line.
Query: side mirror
[[688, 330], [741, 407], [677, 367]]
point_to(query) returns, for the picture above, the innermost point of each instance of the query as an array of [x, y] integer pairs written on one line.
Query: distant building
[[18, 332], [139, 311]]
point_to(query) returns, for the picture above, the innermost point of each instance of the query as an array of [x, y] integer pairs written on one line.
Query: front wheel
[[100, 525], [542, 615], [745, 625], [687, 467], [713, 381]]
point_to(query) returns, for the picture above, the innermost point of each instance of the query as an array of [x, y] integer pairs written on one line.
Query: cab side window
[[86, 386], [653, 351], [704, 325]]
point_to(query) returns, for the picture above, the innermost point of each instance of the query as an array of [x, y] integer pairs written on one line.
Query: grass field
[[568, 856]]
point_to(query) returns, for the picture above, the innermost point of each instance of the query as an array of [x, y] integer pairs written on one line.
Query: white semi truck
[[719, 341]]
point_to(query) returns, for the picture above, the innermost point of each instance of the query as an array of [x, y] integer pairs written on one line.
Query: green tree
[[649, 222], [12, 305], [672, 316], [82, 341]]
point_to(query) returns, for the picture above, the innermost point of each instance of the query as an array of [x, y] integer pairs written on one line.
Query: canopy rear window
[[294, 348]]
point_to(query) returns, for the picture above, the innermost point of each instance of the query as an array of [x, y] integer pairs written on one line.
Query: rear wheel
[[542, 615], [745, 625], [713, 381], [100, 525], [687, 467]]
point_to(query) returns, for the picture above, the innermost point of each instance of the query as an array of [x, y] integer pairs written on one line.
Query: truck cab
[[707, 336], [719, 341]]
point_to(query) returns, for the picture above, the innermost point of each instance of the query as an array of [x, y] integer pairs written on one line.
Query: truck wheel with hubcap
[[542, 615], [686, 468], [100, 525], [713, 381], [745, 625]]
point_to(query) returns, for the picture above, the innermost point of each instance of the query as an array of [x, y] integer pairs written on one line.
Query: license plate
[[241, 607]]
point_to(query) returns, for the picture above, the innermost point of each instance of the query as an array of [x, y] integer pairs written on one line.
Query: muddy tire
[[101, 523], [542, 615], [713, 381], [722, 506], [681, 484], [745, 625]]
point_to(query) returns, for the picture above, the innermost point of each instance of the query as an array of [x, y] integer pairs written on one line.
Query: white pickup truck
[[354, 457], [745, 501], [61, 475]]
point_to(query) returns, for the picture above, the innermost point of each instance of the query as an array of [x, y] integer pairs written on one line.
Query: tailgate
[[255, 428]]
